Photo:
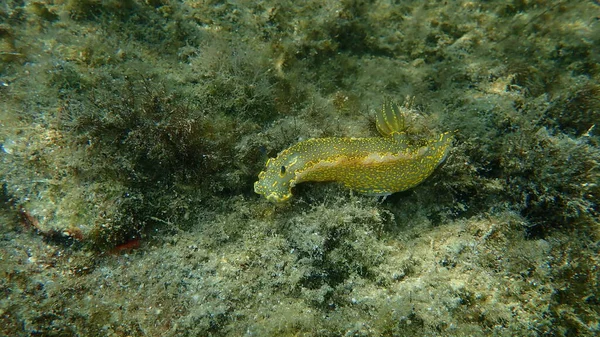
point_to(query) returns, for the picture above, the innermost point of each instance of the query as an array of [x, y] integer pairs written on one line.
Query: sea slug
[[374, 166]]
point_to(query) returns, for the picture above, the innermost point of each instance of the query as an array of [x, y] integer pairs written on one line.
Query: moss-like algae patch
[[132, 133]]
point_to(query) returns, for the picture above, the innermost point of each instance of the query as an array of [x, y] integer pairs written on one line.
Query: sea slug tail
[[441, 146]]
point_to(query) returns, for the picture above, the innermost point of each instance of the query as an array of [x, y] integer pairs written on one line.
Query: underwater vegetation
[[132, 133]]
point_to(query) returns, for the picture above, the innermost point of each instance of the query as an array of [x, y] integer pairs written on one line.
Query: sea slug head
[[278, 178]]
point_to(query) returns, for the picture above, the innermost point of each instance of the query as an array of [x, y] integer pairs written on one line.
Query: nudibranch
[[375, 166]]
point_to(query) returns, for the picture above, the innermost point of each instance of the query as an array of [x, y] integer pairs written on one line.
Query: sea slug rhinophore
[[374, 166]]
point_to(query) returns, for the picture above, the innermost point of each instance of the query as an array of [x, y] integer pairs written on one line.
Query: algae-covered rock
[[132, 133]]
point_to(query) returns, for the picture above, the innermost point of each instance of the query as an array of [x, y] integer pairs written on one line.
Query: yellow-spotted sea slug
[[375, 166]]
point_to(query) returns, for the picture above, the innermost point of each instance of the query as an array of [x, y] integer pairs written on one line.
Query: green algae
[[147, 122]]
